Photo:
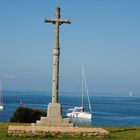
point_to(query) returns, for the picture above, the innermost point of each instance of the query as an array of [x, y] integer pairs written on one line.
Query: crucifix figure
[[56, 52]]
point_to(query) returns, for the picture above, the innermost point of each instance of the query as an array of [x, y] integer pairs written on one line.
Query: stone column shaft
[[56, 53]]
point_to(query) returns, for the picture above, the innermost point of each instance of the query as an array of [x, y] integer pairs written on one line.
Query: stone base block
[[54, 110], [54, 122], [43, 131], [53, 118]]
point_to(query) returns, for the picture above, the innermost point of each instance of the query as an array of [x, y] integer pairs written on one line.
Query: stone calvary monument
[[54, 117], [54, 124]]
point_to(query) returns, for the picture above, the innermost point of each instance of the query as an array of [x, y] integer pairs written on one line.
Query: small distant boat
[[79, 112], [1, 105], [130, 94], [21, 103], [1, 99]]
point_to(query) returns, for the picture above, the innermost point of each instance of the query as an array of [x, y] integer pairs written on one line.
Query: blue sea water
[[107, 111]]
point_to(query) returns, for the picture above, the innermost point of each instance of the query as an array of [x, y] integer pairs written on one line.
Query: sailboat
[[79, 112], [1, 100], [130, 94]]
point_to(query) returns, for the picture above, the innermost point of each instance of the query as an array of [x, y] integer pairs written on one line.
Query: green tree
[[27, 115]]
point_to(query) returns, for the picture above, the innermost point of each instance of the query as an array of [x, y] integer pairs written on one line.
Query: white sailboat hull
[[83, 115]]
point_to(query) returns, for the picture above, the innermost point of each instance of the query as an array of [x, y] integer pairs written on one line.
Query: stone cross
[[54, 113], [56, 52]]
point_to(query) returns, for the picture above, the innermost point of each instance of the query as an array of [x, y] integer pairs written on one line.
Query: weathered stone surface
[[55, 131], [54, 118], [54, 110]]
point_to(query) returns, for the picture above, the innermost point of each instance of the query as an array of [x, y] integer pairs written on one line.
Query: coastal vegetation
[[20, 115], [116, 133]]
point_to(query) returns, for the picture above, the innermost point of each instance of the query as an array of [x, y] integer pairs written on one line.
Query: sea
[[106, 111]]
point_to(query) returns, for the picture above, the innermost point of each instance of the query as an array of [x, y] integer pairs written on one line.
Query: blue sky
[[104, 36]]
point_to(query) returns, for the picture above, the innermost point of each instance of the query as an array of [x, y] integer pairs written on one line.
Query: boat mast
[[1, 102], [86, 90], [82, 85]]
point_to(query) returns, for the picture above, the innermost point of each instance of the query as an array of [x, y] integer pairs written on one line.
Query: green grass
[[116, 133]]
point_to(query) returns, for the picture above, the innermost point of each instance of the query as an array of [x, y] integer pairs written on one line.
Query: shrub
[[27, 115]]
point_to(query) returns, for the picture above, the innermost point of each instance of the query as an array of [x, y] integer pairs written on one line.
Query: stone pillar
[[56, 53]]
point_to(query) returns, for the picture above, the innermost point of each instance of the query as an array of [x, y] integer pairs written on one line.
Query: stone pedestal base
[[55, 125], [54, 110], [43, 131], [54, 118]]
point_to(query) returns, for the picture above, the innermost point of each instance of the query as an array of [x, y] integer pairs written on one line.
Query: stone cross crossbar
[[54, 21]]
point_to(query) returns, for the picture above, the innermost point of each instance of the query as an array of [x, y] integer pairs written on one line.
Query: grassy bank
[[116, 133]]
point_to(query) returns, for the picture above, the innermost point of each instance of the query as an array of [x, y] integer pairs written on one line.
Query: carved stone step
[[61, 124]]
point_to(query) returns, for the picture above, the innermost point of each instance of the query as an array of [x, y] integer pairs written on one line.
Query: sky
[[104, 36]]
